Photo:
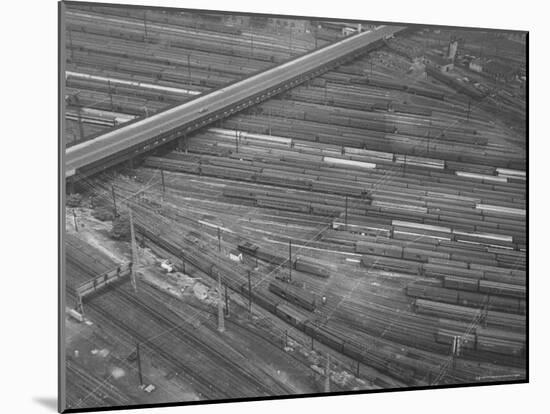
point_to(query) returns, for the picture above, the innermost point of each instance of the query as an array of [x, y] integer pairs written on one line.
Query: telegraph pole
[[346, 214], [114, 198], [226, 301], [145, 24], [219, 241], [134, 250], [290, 260], [221, 321], [249, 295], [162, 178], [251, 44], [327, 374], [189, 69], [139, 364], [110, 95], [75, 224]]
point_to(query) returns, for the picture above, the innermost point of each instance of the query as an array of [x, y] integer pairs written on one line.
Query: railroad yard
[[363, 229]]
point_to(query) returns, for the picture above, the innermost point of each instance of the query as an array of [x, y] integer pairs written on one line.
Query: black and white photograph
[[260, 206]]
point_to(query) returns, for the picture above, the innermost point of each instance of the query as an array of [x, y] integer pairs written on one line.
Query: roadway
[[138, 136]]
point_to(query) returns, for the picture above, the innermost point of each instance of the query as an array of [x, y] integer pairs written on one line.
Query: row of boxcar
[[456, 296], [415, 90], [396, 364], [293, 294], [378, 141], [455, 84], [473, 315], [363, 205], [296, 160], [405, 369], [299, 263], [153, 16], [475, 225], [504, 285], [485, 340], [320, 114]]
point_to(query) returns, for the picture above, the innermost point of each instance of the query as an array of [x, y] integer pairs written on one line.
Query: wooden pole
[[139, 364], [346, 214], [249, 294], [110, 95], [221, 321], [162, 178], [290, 260], [189, 69], [327, 374], [75, 223], [226, 302], [145, 24], [134, 250], [219, 241], [114, 198]]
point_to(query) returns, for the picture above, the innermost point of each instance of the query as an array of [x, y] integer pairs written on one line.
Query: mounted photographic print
[[259, 206]]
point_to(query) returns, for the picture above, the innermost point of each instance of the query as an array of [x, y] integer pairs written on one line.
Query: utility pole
[[221, 321], [110, 95], [226, 301], [145, 24], [162, 178], [75, 224], [114, 198], [327, 374], [189, 69], [346, 215], [134, 250], [219, 241], [315, 35], [457, 342], [80, 305], [139, 364], [71, 44], [237, 141], [290, 260], [249, 295], [79, 115], [290, 41], [269, 120]]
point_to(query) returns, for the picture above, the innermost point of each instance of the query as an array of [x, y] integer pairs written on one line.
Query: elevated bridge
[[137, 137]]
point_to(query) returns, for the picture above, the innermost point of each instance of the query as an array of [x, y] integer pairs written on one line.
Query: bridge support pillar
[[70, 187], [182, 143]]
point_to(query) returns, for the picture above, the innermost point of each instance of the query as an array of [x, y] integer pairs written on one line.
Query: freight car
[[464, 298], [455, 84], [467, 314], [482, 339], [294, 295], [311, 266]]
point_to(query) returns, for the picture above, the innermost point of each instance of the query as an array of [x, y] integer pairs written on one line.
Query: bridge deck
[[144, 134]]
